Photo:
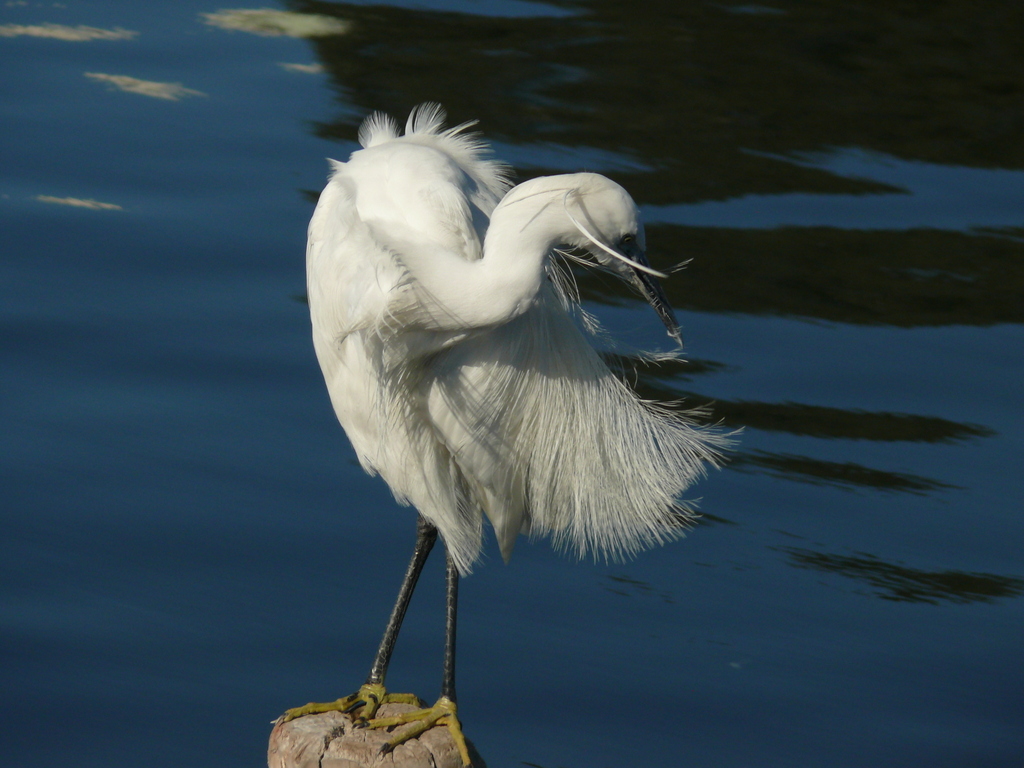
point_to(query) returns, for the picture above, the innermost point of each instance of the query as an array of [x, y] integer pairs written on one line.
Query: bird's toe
[[421, 720]]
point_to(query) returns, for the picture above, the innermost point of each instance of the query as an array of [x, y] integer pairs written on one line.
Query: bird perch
[[331, 740]]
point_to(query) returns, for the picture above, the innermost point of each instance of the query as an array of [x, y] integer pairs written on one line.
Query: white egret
[[456, 368]]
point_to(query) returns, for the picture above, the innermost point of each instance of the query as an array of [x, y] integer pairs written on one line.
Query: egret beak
[[651, 289]]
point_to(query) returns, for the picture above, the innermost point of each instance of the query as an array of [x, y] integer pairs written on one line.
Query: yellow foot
[[368, 699], [442, 713]]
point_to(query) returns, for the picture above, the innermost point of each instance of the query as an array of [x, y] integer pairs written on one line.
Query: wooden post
[[330, 740]]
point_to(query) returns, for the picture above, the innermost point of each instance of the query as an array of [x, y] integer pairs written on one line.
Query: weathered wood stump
[[331, 740]]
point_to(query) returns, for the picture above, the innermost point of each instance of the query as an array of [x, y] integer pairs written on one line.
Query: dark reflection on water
[[626, 586], [921, 277], [841, 474], [933, 83], [657, 380], [891, 581], [822, 421]]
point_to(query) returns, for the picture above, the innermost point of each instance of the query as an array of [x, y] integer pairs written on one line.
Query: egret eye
[[628, 239]]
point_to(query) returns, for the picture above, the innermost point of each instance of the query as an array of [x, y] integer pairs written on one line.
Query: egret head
[[607, 223]]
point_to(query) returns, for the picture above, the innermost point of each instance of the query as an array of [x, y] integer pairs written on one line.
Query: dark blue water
[[189, 546]]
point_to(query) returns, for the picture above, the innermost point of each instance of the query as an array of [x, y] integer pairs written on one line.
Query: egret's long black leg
[[444, 712], [372, 694], [426, 535], [452, 583]]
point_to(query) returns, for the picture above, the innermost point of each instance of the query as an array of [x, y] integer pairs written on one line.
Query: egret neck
[[525, 227]]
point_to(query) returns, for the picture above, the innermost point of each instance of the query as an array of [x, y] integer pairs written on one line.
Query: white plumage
[[455, 364]]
